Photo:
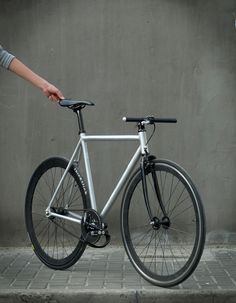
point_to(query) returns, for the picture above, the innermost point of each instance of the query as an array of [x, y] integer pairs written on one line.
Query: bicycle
[[162, 217]]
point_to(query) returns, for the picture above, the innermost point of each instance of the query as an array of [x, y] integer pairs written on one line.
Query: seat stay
[[48, 210]]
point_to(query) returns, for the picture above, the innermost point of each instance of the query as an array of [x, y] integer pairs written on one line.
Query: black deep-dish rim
[[55, 162], [181, 275]]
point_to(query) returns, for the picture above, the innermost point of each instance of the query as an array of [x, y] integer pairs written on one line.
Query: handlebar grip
[[165, 120], [129, 119], [150, 119]]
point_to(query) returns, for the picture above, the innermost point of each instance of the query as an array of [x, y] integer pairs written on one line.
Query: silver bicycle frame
[[141, 150]]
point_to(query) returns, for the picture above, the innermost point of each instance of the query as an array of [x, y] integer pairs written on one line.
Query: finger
[[53, 98], [56, 94], [60, 95]]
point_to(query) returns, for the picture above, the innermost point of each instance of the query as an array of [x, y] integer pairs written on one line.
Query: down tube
[[121, 182]]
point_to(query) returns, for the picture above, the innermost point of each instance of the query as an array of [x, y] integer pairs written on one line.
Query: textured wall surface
[[174, 58]]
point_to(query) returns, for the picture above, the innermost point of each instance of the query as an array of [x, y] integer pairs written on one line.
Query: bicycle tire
[[57, 242], [163, 256]]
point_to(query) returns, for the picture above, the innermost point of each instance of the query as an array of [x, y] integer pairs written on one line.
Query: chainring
[[91, 224]]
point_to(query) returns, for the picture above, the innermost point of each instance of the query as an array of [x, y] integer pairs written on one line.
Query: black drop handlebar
[[149, 120]]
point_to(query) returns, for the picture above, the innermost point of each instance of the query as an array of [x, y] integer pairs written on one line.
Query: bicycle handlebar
[[149, 120]]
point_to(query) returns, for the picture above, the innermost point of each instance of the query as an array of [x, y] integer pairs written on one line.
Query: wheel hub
[[58, 210], [157, 223], [165, 222]]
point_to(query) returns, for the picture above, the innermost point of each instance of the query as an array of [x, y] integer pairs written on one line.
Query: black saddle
[[75, 104]]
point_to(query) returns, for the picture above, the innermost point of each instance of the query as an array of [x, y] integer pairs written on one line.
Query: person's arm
[[26, 73], [5, 58]]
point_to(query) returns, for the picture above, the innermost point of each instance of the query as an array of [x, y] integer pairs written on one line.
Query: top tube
[[109, 137]]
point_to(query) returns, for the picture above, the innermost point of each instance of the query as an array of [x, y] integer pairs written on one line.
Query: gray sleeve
[[5, 58]]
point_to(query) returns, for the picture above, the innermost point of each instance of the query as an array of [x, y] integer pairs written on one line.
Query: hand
[[52, 92]]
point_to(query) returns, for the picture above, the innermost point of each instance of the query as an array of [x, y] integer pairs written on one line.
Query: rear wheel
[[57, 242], [166, 248]]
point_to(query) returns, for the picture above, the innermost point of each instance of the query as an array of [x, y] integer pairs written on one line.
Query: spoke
[[73, 198], [54, 234], [147, 246], [43, 232], [39, 214], [171, 195], [176, 203], [163, 255], [181, 212], [155, 254], [63, 192], [45, 179], [37, 226], [61, 201], [53, 178], [173, 254], [180, 231], [171, 190], [43, 235], [42, 198], [70, 233], [72, 192], [143, 237], [163, 184]]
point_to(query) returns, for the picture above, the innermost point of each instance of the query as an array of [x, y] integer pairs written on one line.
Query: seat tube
[[88, 172]]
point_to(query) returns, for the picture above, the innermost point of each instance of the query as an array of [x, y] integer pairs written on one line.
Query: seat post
[[80, 120]]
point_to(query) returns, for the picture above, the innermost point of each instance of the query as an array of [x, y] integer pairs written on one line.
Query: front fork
[[147, 164]]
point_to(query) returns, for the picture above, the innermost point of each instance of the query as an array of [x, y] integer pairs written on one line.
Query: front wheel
[[166, 247], [56, 241]]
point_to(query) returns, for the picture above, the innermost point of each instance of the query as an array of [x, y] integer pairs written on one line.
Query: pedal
[[107, 241]]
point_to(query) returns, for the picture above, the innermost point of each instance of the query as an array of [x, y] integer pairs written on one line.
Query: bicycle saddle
[[74, 104]]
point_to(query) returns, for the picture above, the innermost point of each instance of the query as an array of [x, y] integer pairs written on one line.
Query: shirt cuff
[[5, 58]]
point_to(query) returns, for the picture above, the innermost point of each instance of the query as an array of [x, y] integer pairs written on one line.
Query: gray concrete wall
[[132, 57]]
